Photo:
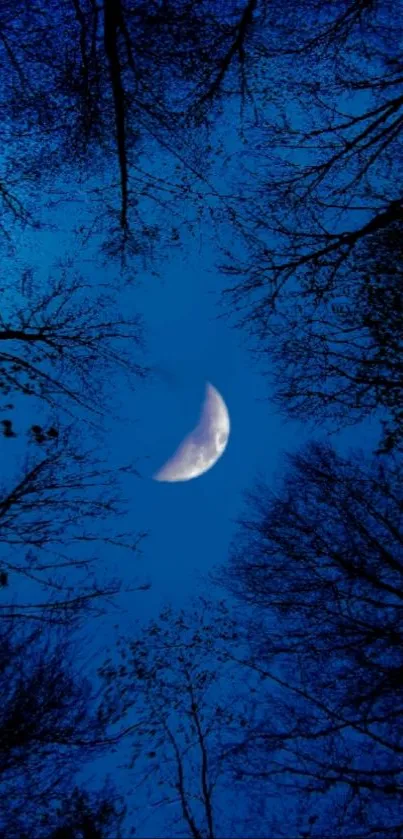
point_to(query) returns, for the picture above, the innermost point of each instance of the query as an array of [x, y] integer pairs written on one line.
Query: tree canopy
[[274, 705]]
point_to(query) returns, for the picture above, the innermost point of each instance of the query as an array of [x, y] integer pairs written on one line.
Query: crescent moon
[[200, 449]]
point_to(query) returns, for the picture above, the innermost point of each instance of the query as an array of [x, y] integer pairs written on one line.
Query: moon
[[203, 446]]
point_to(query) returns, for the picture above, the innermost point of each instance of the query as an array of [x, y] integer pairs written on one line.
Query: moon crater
[[200, 449]]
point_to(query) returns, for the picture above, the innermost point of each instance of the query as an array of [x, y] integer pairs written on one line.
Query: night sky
[[189, 524], [191, 336], [187, 343]]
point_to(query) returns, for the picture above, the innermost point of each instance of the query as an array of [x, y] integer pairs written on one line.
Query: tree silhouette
[[100, 83], [85, 816], [325, 158], [49, 728], [319, 564], [174, 681], [343, 360], [62, 344], [55, 516]]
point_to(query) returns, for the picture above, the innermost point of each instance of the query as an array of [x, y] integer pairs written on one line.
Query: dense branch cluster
[[104, 84], [322, 213]]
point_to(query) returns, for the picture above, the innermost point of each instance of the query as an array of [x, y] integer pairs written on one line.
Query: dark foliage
[[342, 360], [323, 209], [91, 88], [320, 564], [55, 517], [62, 344], [49, 728], [175, 681]]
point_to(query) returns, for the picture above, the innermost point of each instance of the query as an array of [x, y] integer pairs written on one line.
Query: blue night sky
[[187, 342], [193, 194], [189, 524]]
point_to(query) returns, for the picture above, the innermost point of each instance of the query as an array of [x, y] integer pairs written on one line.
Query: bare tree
[[63, 343], [319, 564], [342, 360], [49, 728], [329, 165], [57, 516], [173, 680], [102, 81], [322, 190]]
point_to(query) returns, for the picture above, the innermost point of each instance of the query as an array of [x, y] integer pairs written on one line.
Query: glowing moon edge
[[200, 450]]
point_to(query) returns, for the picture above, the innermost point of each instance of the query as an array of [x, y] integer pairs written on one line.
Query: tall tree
[[173, 680], [342, 360], [90, 83], [320, 563], [56, 517], [329, 165], [321, 194], [49, 729], [62, 344], [61, 347]]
